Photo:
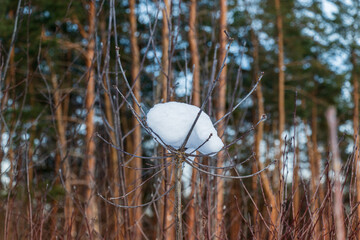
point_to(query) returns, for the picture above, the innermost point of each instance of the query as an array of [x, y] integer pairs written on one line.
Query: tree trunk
[[62, 151], [91, 210], [68, 208], [258, 137], [165, 78], [296, 194], [271, 201], [313, 187], [279, 25], [235, 206], [194, 52], [220, 112], [136, 197], [167, 205], [338, 204], [55, 206], [113, 168], [281, 66], [260, 128], [356, 130], [317, 170]]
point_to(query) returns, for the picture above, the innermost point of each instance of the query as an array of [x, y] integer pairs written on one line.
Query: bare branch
[[237, 105], [142, 205]]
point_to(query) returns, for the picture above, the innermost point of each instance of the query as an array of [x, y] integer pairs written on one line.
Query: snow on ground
[[172, 121]]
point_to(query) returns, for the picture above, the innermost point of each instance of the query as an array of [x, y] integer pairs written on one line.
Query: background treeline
[[74, 157]]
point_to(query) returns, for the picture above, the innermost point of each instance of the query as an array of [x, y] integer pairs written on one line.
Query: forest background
[[75, 162]]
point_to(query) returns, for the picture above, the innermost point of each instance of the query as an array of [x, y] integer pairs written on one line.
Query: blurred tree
[[220, 112], [136, 163], [345, 40], [91, 210], [195, 67]]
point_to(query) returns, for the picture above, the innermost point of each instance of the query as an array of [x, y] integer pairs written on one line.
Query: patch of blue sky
[[5, 164], [181, 45], [81, 129], [267, 42], [71, 27], [25, 136], [154, 54], [5, 167], [5, 139], [27, 10], [337, 61], [184, 84], [346, 93], [230, 16], [146, 11], [248, 103], [256, 24], [176, 10], [241, 59], [347, 127], [329, 9], [305, 2], [207, 29], [46, 14]]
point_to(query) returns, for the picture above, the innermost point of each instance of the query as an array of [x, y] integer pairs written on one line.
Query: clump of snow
[[172, 121]]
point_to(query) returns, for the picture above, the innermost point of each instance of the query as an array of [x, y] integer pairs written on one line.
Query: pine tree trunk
[[235, 206], [91, 210], [336, 161], [62, 151], [260, 128], [220, 112], [296, 194], [113, 168], [165, 78], [271, 199], [191, 212], [313, 187], [136, 197], [194, 52], [167, 211], [356, 129], [279, 25], [281, 93], [68, 208], [317, 169]]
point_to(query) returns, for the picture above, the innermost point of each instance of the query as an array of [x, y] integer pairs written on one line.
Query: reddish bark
[[220, 112]]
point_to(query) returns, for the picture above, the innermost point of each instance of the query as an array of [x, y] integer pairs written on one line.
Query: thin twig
[[225, 176], [142, 205], [237, 105]]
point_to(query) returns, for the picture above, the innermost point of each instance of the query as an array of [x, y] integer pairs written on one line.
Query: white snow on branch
[[172, 121]]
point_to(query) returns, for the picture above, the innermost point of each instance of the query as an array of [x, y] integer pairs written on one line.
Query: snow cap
[[172, 121]]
